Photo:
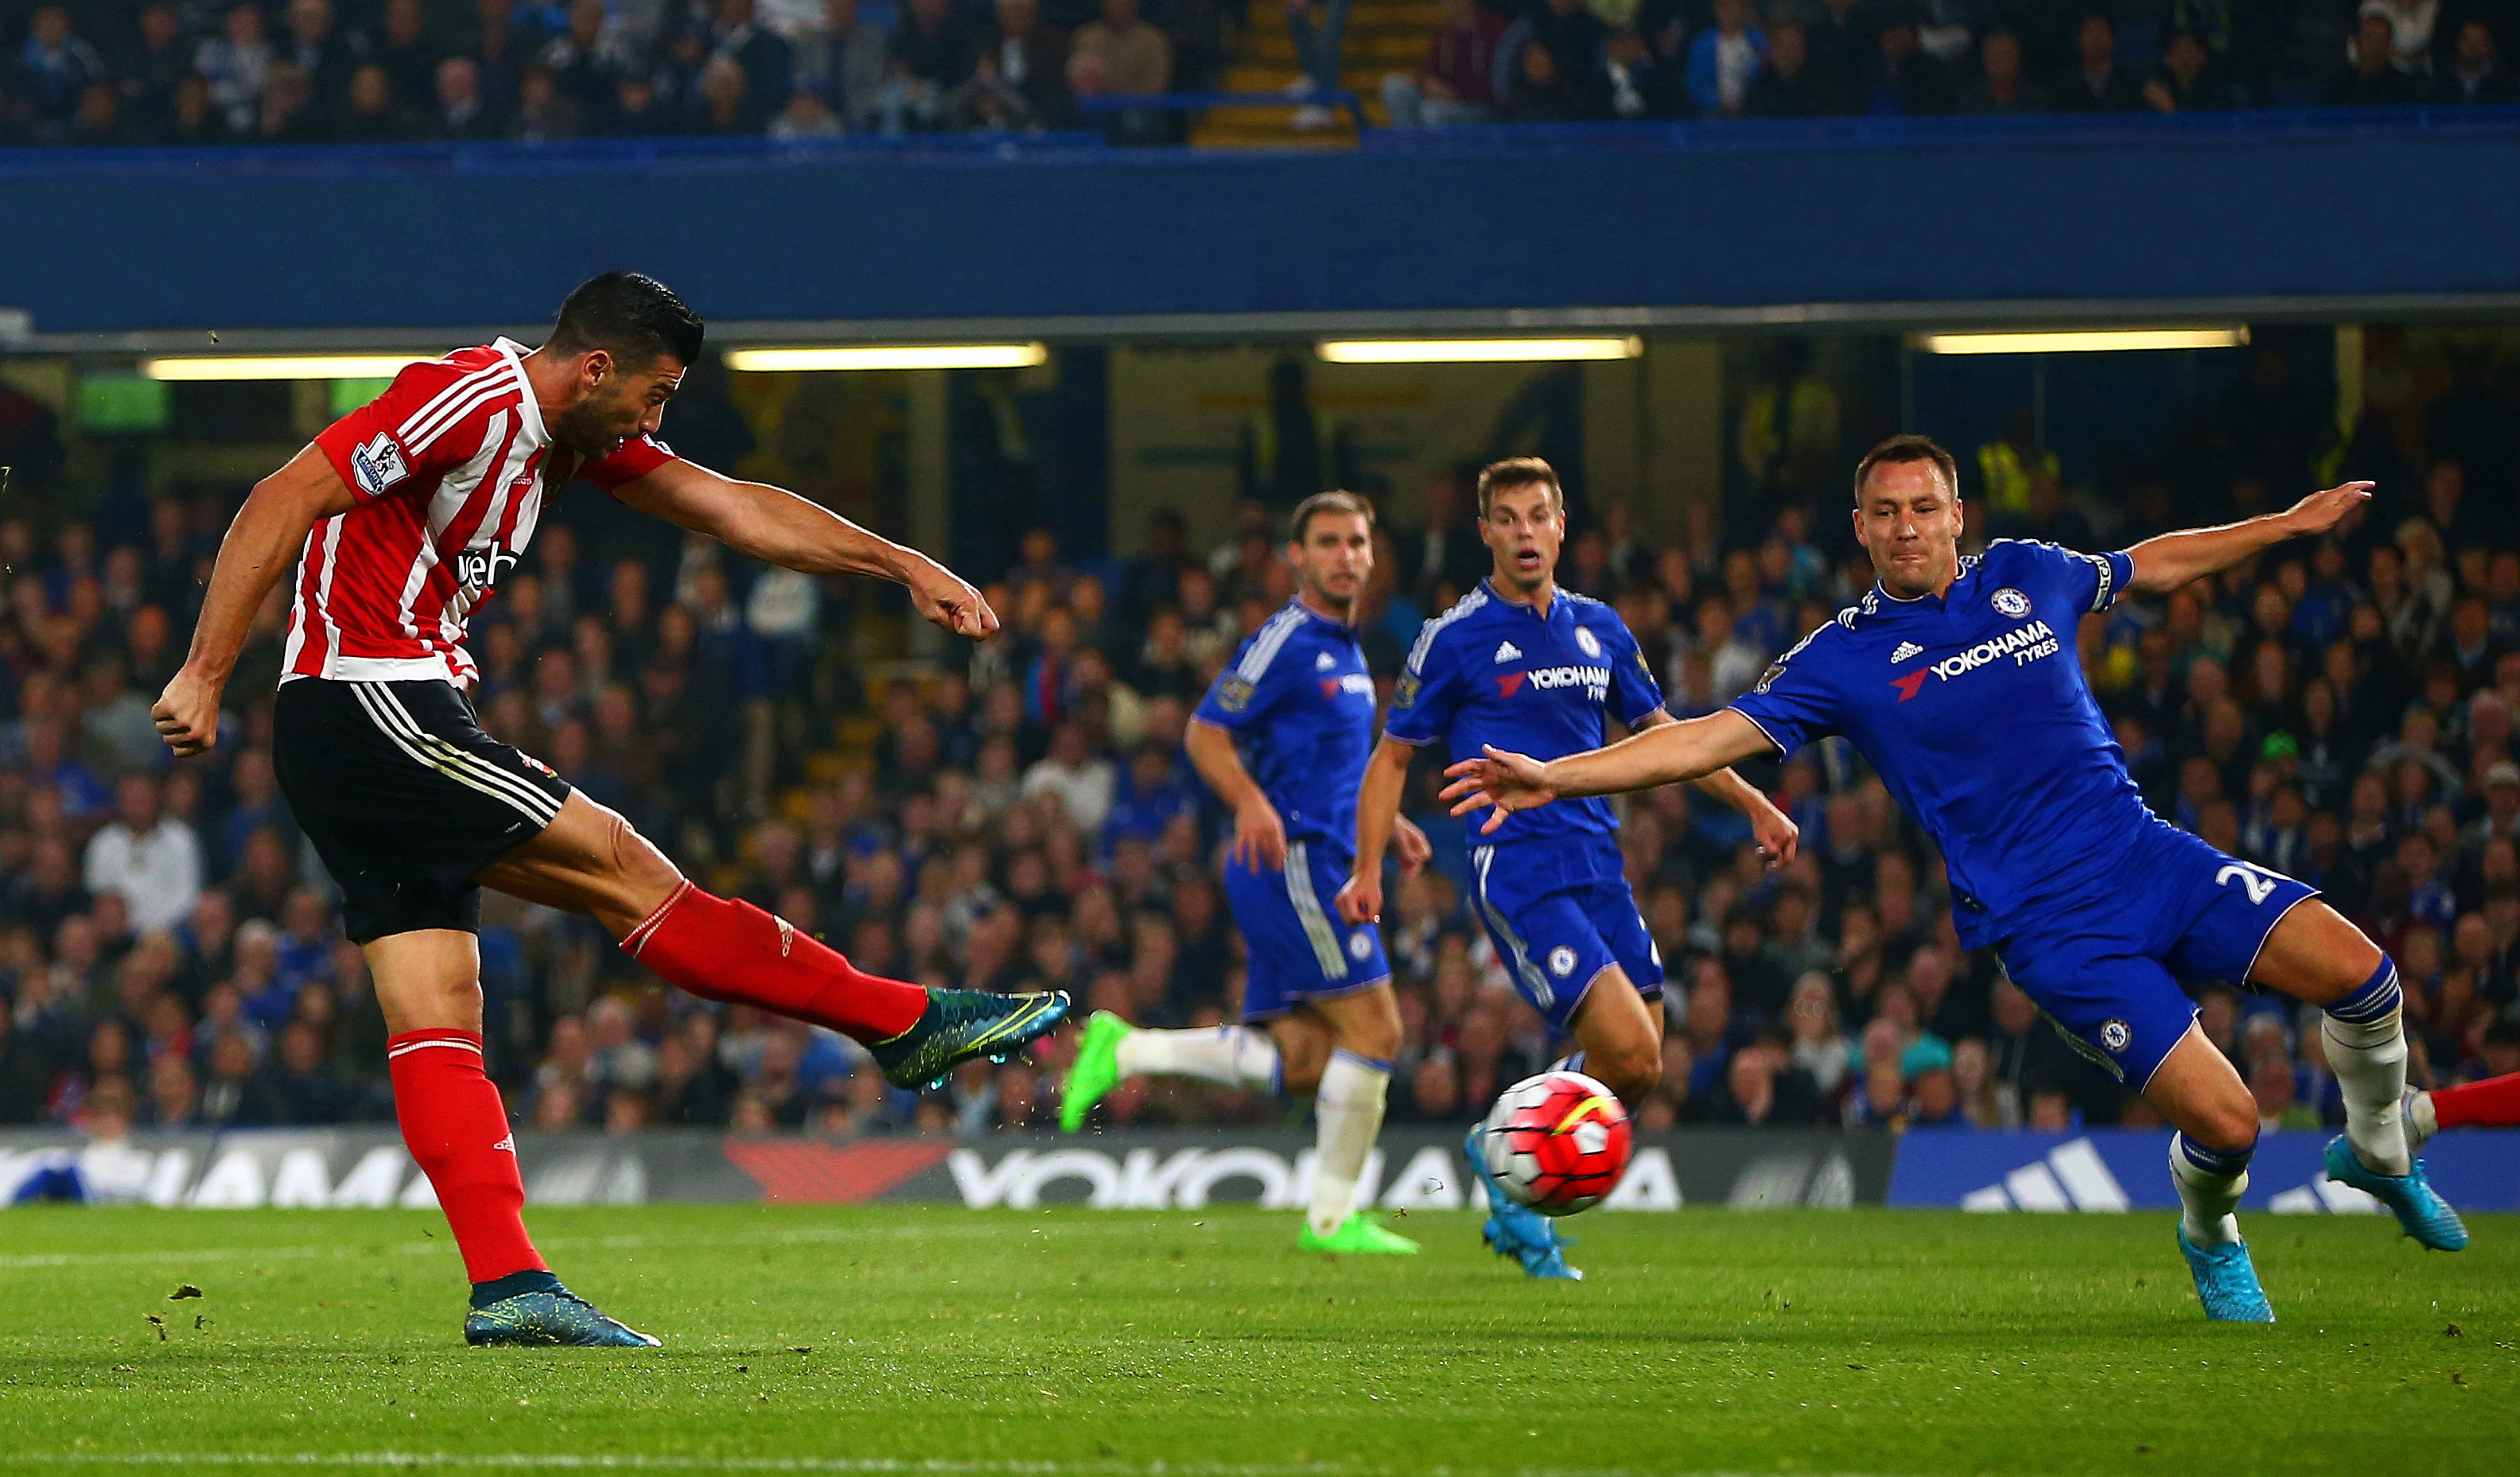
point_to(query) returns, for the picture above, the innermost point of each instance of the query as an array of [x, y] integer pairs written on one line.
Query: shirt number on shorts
[[2253, 880]]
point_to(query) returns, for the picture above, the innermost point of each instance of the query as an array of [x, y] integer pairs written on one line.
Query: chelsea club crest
[[2013, 602]]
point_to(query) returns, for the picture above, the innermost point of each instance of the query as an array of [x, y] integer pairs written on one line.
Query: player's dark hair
[[1899, 450], [1518, 471], [635, 319], [1340, 503]]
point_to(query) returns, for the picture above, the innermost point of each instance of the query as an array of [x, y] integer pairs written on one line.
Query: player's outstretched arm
[[2166, 563], [1378, 815], [776, 525], [268, 533], [1664, 754], [1778, 835]]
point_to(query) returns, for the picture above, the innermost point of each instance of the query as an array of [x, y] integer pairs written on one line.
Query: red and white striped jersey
[[451, 466]]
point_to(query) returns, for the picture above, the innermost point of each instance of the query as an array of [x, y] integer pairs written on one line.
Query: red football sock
[[725, 949], [455, 1125], [2494, 1102]]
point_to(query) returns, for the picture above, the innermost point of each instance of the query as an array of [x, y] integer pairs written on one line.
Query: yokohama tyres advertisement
[[1412, 1170]]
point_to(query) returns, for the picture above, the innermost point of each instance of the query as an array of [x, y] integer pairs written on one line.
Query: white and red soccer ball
[[1558, 1143]]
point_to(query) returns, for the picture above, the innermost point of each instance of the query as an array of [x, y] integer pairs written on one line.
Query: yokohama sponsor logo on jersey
[[2024, 643]]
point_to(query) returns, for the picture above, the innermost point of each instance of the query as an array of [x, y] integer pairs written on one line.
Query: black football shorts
[[404, 797]]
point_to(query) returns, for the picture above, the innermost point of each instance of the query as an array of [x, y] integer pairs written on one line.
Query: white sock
[[2208, 1191], [1347, 1110], [2369, 1060], [2420, 1124], [1233, 1056]]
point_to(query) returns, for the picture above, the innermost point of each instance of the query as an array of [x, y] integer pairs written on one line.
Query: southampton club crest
[[2013, 602]]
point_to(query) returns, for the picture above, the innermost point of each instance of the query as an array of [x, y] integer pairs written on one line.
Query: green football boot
[[1360, 1234], [1096, 1070]]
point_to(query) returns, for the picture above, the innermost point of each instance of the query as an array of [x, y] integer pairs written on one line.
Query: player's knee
[[1375, 1030], [633, 857], [2228, 1125], [1631, 1070]]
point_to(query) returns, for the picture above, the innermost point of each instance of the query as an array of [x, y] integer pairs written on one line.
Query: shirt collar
[[1556, 600], [533, 412]]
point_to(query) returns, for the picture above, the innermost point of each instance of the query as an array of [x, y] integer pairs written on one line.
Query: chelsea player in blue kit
[[1519, 661], [1298, 697], [1956, 676]]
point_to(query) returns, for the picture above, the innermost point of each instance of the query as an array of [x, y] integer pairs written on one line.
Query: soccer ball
[[1557, 1141]]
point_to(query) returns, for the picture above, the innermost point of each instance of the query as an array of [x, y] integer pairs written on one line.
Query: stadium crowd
[[210, 71], [1022, 816]]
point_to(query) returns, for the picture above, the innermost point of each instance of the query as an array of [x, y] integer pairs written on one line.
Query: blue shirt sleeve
[[2091, 581], [1795, 702], [1248, 686], [1633, 689], [1430, 689]]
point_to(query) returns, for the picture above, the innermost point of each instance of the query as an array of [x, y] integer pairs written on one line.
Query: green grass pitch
[[929, 1339]]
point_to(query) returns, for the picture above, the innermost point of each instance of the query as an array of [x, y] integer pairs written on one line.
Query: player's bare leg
[[429, 984], [2315, 955], [1621, 1036], [2198, 1090], [590, 860]]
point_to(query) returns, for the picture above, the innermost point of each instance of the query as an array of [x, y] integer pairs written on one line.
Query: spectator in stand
[[2095, 83], [1903, 79], [932, 56], [99, 122], [769, 65], [1844, 38], [725, 111], [1135, 57], [409, 54], [1456, 82], [2188, 78], [149, 858], [590, 60], [54, 68], [236, 63], [1791, 85], [543, 112], [844, 61], [2001, 85], [2476, 73], [462, 115], [2373, 80], [1317, 51], [370, 117], [1556, 56], [1020, 80], [2410, 31], [316, 44], [149, 74], [1726, 61]]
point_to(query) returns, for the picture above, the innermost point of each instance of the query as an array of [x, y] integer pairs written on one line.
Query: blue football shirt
[[1298, 699], [1973, 707], [1491, 671]]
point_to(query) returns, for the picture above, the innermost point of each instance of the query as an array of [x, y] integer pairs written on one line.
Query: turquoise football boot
[[961, 1024], [553, 1319], [2226, 1281], [2421, 1213], [1518, 1231]]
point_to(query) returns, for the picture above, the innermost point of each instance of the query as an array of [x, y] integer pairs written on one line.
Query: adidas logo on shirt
[[1907, 648], [1508, 651]]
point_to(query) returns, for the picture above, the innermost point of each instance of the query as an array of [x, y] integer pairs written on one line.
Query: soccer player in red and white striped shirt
[[397, 522]]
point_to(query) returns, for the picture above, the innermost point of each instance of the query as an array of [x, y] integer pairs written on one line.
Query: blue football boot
[[1518, 1231], [2421, 1213], [553, 1319], [961, 1024], [2226, 1281]]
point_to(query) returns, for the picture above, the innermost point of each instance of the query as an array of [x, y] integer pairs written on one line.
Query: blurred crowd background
[[212, 72], [1018, 815]]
